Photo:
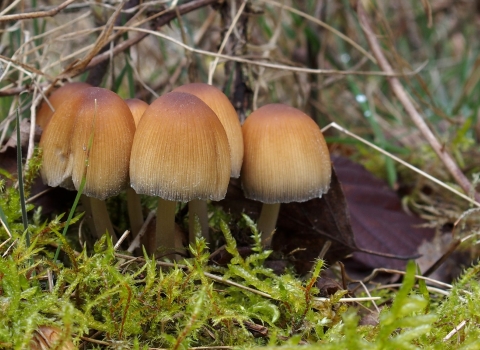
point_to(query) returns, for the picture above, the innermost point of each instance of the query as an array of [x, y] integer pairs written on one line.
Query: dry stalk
[[214, 64], [38, 14], [324, 25], [165, 18], [404, 99], [271, 65]]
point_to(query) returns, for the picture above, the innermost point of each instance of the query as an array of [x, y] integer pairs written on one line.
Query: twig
[[392, 271], [9, 7], [163, 20], [15, 91], [325, 249], [238, 285], [95, 341], [33, 123], [39, 14], [10, 247], [455, 330], [272, 65], [51, 285], [38, 195], [214, 64], [404, 99], [429, 288], [368, 293], [271, 45], [401, 161], [136, 242], [24, 67], [8, 239], [121, 239], [79, 67], [324, 25]]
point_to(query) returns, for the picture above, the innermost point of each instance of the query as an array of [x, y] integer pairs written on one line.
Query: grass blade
[[3, 218], [20, 182], [70, 215]]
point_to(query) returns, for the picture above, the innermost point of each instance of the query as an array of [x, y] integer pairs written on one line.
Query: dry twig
[[39, 14]]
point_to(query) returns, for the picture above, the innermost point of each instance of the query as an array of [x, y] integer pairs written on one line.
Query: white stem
[[135, 214], [100, 220], [197, 210], [165, 232], [267, 222]]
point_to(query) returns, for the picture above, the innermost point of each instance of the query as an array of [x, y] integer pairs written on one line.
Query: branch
[[39, 14], [404, 99]]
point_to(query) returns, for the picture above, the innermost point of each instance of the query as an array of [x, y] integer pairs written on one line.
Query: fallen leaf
[[360, 214], [377, 218]]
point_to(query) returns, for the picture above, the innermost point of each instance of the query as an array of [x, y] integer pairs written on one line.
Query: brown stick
[[39, 14], [16, 90], [404, 99]]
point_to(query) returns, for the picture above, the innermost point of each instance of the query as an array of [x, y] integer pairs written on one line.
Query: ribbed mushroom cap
[[62, 94], [180, 151], [286, 158], [50, 337], [220, 104], [137, 107], [66, 141]]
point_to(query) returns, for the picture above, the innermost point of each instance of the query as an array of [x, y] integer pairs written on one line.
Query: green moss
[[136, 303]]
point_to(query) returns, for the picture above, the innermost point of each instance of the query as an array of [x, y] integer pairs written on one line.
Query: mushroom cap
[[66, 142], [220, 104], [51, 337], [286, 157], [180, 151], [62, 94], [137, 107]]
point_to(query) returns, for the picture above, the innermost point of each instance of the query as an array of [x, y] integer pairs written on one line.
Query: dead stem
[[404, 99], [165, 19], [39, 14], [238, 285]]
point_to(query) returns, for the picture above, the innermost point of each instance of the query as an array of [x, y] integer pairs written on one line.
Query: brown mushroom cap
[[62, 94], [180, 151], [51, 337], [220, 104], [286, 158], [137, 107], [66, 141]]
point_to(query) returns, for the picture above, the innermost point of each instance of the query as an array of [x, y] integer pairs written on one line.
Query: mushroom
[[180, 152], [95, 124], [137, 107], [62, 94], [134, 206], [286, 160], [220, 104], [50, 337]]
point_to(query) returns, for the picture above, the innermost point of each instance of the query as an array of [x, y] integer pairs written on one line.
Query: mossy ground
[[105, 299]]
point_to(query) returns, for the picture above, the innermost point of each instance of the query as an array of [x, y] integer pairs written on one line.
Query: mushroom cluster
[[183, 147]]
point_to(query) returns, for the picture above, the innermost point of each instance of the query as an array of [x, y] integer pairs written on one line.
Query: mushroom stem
[[165, 233], [197, 208], [100, 223], [267, 221], [135, 214]]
